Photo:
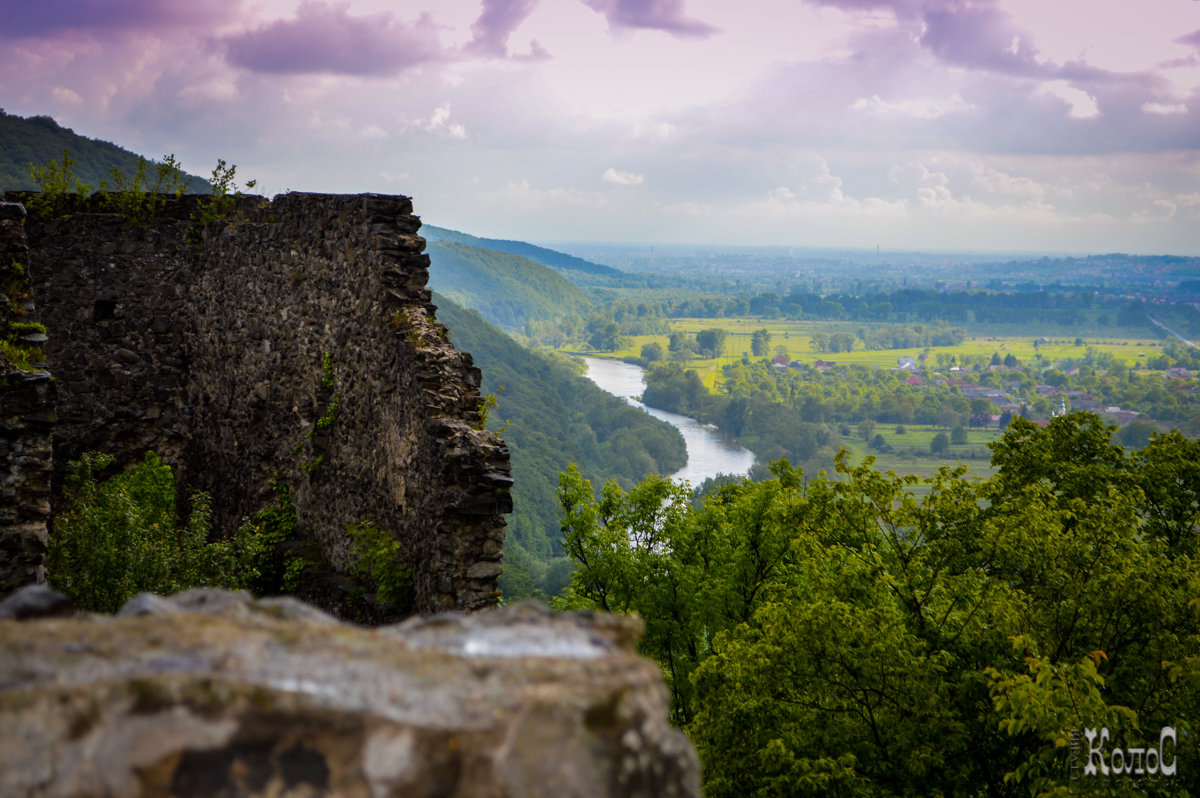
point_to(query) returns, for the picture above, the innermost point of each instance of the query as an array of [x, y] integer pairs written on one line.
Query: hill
[[39, 139], [508, 290], [569, 265], [555, 417]]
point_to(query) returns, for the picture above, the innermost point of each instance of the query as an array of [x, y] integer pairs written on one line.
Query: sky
[[982, 125]]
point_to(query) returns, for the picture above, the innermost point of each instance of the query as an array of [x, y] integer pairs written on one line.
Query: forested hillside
[[39, 139], [508, 290], [567, 264], [551, 416]]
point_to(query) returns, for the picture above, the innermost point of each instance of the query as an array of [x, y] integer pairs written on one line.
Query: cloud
[[49, 18], [1164, 108], [1082, 105], [917, 108], [622, 178], [1192, 39], [664, 15], [496, 22], [328, 39]]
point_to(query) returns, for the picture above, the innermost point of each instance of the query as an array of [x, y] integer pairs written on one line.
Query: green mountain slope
[[506, 289], [568, 264], [39, 139], [555, 417]]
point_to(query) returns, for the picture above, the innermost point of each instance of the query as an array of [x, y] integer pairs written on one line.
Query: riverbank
[[710, 452]]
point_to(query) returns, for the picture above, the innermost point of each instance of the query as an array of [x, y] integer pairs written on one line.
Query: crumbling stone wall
[[223, 350], [26, 419]]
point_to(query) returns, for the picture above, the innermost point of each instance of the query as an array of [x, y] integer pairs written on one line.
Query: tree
[[843, 636], [711, 341], [866, 428], [760, 342], [940, 443], [608, 338], [652, 352], [681, 343], [958, 435]]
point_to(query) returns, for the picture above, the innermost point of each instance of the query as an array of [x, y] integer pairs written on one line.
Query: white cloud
[[1164, 108], [1082, 104], [65, 95], [622, 178], [917, 108], [438, 118]]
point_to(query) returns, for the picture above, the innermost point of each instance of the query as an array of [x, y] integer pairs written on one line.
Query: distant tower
[[1062, 405]]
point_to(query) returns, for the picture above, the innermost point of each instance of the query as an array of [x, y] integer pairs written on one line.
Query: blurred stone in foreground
[[210, 693]]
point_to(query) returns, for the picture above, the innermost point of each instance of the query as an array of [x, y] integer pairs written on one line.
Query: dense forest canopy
[[39, 140], [508, 290], [829, 635]]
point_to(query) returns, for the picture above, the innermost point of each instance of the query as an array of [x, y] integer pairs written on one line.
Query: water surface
[[710, 452]]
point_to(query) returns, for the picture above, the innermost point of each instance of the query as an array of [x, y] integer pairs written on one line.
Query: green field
[[1130, 345], [911, 455]]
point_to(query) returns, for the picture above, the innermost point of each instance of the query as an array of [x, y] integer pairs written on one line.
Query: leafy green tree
[[652, 352], [940, 443], [958, 435], [711, 342], [760, 342], [608, 338], [847, 637]]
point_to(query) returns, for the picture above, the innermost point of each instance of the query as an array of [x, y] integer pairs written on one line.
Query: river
[[709, 451]]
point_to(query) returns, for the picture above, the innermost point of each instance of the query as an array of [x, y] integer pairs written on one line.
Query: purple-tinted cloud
[[47, 18], [978, 36], [664, 15], [1192, 39], [325, 38], [496, 23]]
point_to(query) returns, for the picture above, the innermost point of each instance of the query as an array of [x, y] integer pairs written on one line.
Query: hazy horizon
[[913, 125]]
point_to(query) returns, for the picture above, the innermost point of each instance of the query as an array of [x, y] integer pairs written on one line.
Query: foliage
[[222, 201], [760, 342], [377, 558], [841, 636], [269, 546], [135, 197], [39, 139], [576, 269], [60, 188], [711, 342], [120, 536], [768, 428], [508, 290], [554, 417]]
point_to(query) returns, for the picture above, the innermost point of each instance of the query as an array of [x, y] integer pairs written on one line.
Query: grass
[[1130, 345], [911, 455]]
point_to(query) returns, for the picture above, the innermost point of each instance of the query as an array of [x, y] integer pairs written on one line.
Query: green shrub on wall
[[120, 537]]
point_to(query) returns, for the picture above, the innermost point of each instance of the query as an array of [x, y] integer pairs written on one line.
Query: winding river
[[709, 451]]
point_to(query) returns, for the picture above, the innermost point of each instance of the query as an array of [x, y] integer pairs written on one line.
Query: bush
[[120, 537]]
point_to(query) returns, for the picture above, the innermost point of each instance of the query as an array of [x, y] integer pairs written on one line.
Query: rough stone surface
[[26, 419], [211, 350], [211, 694]]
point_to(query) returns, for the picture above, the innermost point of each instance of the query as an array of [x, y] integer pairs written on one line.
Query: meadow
[[1131, 345]]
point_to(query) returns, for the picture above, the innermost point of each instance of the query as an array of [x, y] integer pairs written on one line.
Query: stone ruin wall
[[211, 350]]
